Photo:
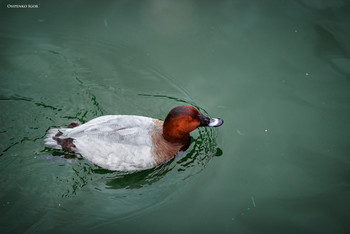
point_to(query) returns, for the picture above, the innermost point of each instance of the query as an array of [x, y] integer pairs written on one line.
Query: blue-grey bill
[[215, 122]]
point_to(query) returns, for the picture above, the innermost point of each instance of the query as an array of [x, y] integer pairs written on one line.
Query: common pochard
[[129, 142]]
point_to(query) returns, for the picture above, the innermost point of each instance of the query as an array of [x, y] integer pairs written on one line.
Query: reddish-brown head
[[184, 119]]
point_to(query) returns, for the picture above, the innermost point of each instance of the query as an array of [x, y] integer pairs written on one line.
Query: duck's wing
[[115, 142]]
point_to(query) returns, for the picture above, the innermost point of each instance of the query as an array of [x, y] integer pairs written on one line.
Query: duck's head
[[182, 120]]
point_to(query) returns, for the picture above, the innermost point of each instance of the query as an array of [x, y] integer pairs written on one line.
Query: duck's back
[[115, 142]]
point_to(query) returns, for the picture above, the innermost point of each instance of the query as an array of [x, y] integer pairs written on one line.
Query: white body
[[114, 142]]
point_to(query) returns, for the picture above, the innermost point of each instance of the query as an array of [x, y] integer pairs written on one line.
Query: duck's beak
[[210, 122], [215, 122]]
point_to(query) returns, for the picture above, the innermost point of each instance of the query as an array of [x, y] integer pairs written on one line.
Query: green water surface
[[277, 72]]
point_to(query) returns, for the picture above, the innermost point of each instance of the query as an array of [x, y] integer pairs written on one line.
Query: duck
[[130, 142]]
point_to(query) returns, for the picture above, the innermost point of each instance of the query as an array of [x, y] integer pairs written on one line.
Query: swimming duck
[[129, 142]]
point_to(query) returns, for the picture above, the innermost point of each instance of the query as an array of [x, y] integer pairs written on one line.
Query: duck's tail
[[52, 136], [53, 140]]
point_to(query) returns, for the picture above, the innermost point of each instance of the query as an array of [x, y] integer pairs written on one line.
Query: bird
[[130, 142]]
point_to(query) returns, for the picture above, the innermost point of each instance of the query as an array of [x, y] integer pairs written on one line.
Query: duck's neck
[[163, 150], [173, 135], [185, 141]]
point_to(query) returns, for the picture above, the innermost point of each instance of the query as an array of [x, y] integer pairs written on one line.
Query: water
[[277, 72]]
